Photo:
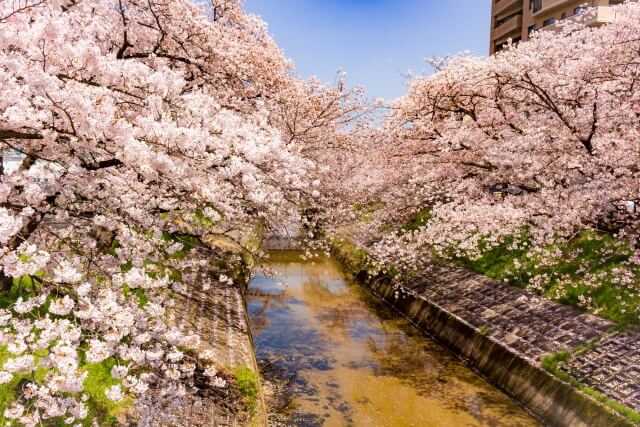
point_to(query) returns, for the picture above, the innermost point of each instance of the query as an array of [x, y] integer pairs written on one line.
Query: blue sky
[[375, 41]]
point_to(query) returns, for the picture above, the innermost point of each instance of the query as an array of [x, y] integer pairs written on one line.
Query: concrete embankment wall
[[219, 316], [501, 332], [260, 418]]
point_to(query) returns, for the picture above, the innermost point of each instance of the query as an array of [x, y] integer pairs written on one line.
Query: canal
[[333, 355]]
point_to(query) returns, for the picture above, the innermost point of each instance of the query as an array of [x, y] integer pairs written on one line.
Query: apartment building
[[516, 19]]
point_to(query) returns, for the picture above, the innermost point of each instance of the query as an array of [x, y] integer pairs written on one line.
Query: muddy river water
[[336, 356]]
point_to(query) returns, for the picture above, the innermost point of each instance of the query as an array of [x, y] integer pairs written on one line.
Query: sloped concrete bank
[[219, 315], [502, 333]]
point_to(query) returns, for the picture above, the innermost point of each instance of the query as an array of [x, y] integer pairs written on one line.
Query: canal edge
[[261, 417], [549, 398]]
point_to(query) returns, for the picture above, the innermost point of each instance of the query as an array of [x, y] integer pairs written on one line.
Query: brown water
[[343, 358]]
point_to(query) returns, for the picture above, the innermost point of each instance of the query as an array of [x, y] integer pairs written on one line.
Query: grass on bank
[[565, 273], [248, 384], [98, 380], [582, 254]]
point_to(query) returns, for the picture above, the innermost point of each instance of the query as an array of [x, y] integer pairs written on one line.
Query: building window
[[531, 29], [564, 15], [578, 10], [535, 5], [549, 21]]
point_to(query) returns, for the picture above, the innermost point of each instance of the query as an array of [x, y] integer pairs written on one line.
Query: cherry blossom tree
[[540, 140], [148, 129]]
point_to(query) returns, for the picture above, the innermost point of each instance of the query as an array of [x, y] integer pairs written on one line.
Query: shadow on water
[[333, 355]]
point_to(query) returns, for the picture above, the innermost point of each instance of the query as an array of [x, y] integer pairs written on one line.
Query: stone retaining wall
[[503, 332]]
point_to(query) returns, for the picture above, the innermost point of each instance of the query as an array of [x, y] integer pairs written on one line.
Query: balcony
[[512, 25], [591, 18], [550, 5], [505, 6]]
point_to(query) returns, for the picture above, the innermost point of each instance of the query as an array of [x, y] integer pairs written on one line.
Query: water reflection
[[342, 358]]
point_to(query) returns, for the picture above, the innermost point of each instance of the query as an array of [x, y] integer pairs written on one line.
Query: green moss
[[386, 227], [623, 410], [247, 383], [357, 262], [484, 330], [364, 211], [114, 245], [254, 240], [368, 207], [9, 391], [175, 275], [352, 257], [551, 363], [98, 380], [24, 287], [127, 266], [497, 262]]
